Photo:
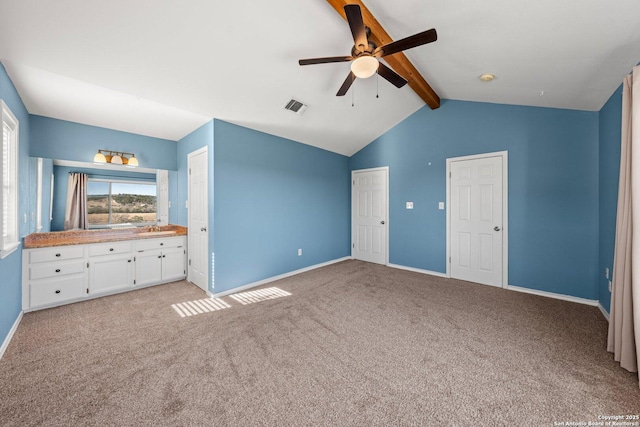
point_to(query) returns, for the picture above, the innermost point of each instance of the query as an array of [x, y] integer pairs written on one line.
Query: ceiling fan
[[365, 54]]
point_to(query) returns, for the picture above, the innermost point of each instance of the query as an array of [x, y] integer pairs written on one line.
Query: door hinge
[[189, 171], [189, 262], [449, 174], [353, 245], [134, 259], [87, 265], [87, 290], [184, 271], [134, 282], [354, 182], [449, 260]]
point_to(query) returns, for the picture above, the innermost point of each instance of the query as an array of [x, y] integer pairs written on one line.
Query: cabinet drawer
[[55, 253], [55, 269], [110, 248], [168, 242], [57, 290]]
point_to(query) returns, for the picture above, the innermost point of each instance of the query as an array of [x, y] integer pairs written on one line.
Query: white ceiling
[[162, 68]]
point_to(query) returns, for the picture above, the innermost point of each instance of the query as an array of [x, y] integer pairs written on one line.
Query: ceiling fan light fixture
[[487, 77], [364, 67]]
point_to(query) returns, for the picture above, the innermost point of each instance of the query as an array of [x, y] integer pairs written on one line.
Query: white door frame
[[353, 172], [505, 209], [192, 154]]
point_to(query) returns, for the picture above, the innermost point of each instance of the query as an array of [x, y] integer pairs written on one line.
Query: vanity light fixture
[[115, 158]]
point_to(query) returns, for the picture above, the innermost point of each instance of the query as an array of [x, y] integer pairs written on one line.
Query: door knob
[[496, 228], [382, 222]]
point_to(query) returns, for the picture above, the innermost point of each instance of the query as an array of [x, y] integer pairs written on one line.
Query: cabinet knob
[[110, 249], [58, 255], [164, 256], [161, 244], [159, 256], [128, 260], [57, 270], [58, 291]]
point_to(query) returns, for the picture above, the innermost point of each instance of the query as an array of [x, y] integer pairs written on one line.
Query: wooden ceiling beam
[[398, 61]]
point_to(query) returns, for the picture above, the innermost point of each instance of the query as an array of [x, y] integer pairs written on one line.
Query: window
[[113, 203], [9, 183]]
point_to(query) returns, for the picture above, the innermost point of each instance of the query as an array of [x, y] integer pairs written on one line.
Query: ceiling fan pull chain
[[377, 85], [352, 96]]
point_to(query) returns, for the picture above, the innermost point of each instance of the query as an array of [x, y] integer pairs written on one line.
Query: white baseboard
[[417, 270], [604, 312], [591, 302], [274, 278], [12, 331]]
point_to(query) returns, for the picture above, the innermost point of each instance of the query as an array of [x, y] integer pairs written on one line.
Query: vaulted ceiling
[[162, 68]]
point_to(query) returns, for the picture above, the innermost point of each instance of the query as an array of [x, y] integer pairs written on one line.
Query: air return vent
[[295, 106]]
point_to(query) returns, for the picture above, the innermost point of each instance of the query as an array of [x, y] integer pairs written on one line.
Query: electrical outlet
[[609, 286], [409, 205], [299, 252], [441, 206], [606, 272]]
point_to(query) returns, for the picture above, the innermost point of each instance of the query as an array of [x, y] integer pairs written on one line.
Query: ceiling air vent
[[295, 106]]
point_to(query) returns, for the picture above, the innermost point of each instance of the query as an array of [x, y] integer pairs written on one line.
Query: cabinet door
[[173, 266], [110, 273], [148, 267]]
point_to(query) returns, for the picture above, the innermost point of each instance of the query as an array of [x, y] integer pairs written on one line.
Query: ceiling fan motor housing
[[355, 52]]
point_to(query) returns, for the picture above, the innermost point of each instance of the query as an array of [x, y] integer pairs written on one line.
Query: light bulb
[[99, 158], [133, 162], [116, 160], [364, 67]]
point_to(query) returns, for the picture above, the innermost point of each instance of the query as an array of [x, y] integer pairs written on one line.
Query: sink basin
[[156, 233]]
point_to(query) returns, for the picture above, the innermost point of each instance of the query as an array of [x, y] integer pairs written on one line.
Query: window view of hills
[[125, 208]]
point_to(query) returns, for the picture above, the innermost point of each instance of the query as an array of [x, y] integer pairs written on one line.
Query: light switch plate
[[441, 206], [409, 205], [606, 272]]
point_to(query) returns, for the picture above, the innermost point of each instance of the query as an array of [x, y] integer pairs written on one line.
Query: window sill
[[10, 248]]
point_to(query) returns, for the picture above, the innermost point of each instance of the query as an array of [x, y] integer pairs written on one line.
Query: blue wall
[[609, 166], [61, 180], [11, 266], [59, 139], [273, 196], [553, 188]]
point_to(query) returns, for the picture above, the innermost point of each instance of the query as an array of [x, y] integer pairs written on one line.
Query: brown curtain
[[624, 324], [75, 215]]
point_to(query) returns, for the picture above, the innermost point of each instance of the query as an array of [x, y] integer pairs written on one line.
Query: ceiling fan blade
[[391, 76], [326, 60], [354, 17], [419, 39], [347, 84]]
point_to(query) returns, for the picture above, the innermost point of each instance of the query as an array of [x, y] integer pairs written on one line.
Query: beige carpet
[[355, 344]]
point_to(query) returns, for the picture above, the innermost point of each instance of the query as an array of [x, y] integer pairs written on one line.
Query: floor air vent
[[295, 106]]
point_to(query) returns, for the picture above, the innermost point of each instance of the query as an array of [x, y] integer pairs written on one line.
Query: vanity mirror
[[117, 196]]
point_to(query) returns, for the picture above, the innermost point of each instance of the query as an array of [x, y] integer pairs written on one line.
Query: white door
[[198, 233], [148, 267], [172, 264], [110, 272], [369, 215], [477, 219]]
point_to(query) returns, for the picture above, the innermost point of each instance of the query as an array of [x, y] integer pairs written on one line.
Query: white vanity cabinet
[[59, 275], [53, 275], [160, 260], [110, 266]]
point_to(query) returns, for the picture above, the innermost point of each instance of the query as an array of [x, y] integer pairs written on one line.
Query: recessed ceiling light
[[487, 77]]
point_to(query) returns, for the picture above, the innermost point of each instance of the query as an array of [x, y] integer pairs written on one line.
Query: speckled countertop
[[80, 237]]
